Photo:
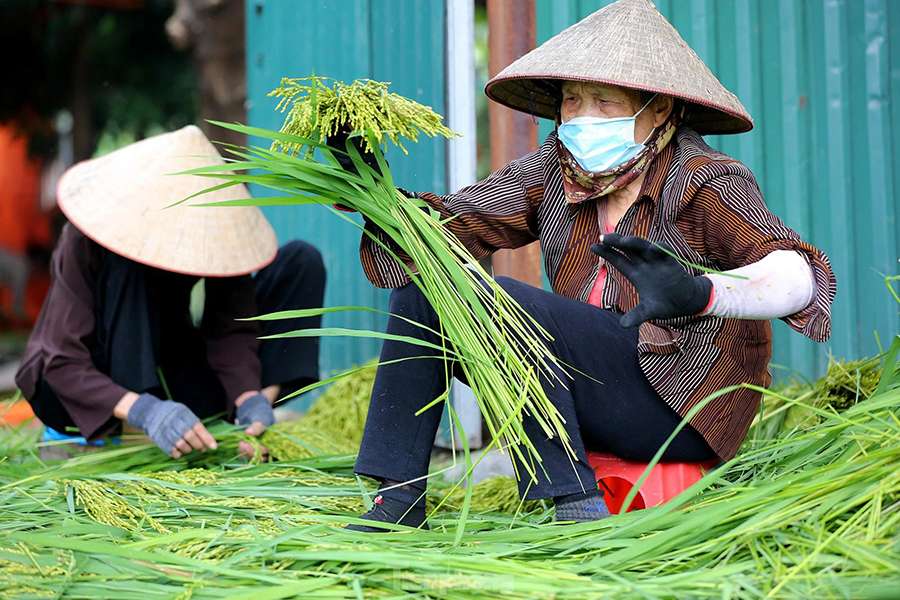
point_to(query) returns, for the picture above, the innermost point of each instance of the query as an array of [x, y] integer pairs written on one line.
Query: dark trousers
[[295, 280], [618, 413], [143, 328]]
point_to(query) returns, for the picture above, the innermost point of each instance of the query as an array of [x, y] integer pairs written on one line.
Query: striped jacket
[[704, 204]]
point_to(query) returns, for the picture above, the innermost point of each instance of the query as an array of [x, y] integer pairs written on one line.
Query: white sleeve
[[779, 285]]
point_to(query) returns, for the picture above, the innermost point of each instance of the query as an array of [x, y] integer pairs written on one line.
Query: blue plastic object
[[51, 435]]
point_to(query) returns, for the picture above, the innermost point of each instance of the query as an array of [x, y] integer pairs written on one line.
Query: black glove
[[665, 289], [338, 141]]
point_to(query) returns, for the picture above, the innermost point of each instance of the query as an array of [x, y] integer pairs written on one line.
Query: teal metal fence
[[820, 77], [401, 41], [822, 81]]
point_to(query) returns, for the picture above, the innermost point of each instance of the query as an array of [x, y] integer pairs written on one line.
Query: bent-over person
[[142, 322]]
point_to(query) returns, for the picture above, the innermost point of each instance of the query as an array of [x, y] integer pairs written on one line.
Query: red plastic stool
[[615, 477]]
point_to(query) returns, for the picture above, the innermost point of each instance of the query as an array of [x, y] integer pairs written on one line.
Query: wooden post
[[214, 31], [511, 33]]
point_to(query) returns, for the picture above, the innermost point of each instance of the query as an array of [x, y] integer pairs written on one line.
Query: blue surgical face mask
[[601, 144]]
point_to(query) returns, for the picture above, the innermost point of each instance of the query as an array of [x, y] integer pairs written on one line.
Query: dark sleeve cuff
[[814, 321], [91, 409]]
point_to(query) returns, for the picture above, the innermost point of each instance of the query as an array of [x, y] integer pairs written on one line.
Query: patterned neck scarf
[[581, 185]]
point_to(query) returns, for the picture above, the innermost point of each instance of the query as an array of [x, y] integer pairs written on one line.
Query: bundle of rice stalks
[[501, 349], [845, 383]]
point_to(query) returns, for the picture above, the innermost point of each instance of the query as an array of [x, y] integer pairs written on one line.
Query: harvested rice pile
[[845, 383], [810, 512], [334, 424], [807, 510]]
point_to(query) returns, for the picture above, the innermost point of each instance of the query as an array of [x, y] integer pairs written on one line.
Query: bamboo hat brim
[[627, 44], [120, 201]]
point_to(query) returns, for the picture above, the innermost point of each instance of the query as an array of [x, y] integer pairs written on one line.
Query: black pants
[[622, 415], [295, 280], [142, 324]]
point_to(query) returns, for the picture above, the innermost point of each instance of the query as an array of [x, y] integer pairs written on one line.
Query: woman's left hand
[[254, 411], [665, 289]]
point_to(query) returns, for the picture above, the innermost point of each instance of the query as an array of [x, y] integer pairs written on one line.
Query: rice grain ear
[[319, 107]]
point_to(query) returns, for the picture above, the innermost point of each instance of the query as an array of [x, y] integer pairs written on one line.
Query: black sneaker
[[390, 510]]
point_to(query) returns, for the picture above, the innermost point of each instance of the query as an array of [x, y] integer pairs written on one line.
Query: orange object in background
[[616, 477], [15, 413], [22, 223]]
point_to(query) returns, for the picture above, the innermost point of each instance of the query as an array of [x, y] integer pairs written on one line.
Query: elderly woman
[[141, 321], [624, 185]]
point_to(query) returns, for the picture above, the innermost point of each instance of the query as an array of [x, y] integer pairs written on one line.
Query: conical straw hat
[[119, 200], [627, 44]]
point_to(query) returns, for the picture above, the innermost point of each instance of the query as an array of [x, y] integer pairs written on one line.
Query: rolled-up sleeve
[[738, 229], [232, 345], [497, 212]]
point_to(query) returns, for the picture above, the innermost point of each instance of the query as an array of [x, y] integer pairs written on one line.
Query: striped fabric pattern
[[705, 205]]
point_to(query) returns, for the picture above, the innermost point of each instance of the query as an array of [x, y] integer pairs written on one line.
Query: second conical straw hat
[[628, 44], [120, 200]]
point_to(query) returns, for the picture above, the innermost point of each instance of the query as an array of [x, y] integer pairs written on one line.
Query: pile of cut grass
[[809, 512]]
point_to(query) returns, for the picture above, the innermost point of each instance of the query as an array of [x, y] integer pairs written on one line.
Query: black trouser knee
[[294, 280], [607, 402]]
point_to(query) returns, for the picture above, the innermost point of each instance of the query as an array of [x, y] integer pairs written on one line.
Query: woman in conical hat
[[631, 208], [139, 325]]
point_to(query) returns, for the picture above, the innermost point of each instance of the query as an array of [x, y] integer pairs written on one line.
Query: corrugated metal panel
[[401, 41], [822, 81]]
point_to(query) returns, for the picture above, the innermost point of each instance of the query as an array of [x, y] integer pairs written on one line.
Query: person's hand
[[665, 289], [170, 425], [338, 141], [254, 411]]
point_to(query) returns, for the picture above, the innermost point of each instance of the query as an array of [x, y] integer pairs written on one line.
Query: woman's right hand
[[172, 426], [338, 141]]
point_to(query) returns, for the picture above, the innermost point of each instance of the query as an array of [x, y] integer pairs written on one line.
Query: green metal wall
[[401, 41], [822, 81]]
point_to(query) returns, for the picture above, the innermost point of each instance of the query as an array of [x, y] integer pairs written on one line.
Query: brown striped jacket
[[704, 204]]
